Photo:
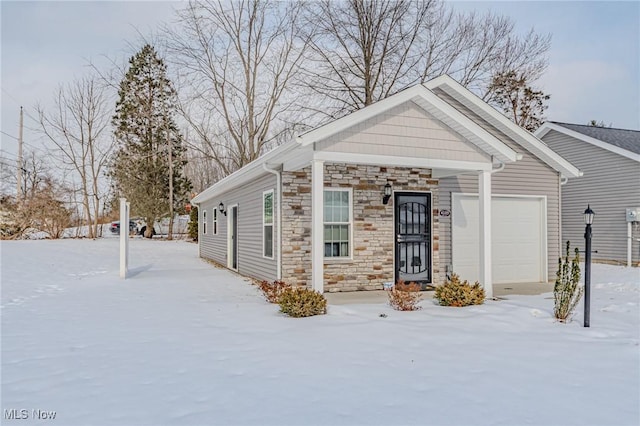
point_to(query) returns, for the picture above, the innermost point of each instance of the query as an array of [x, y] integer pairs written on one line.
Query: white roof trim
[[520, 135], [431, 103], [547, 127], [385, 160]]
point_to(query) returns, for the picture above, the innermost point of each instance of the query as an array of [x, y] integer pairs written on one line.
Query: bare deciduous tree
[[363, 51], [43, 206], [366, 50], [76, 126], [235, 60]]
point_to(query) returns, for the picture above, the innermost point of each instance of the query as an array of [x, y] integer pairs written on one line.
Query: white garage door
[[518, 238]]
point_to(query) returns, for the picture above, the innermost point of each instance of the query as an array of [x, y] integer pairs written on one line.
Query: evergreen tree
[[519, 101], [145, 131], [192, 226]]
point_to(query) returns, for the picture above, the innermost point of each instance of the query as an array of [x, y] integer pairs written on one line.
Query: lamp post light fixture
[[221, 208], [588, 220], [387, 193]]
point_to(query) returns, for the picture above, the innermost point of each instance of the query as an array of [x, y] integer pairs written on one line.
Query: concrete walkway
[[380, 296]]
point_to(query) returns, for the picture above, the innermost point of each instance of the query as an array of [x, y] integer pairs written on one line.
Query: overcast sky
[[593, 73]]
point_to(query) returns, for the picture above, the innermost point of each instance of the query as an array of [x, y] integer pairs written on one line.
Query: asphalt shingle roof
[[622, 138]]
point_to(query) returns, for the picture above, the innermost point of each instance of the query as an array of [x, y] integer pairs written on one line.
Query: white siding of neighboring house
[[610, 184], [248, 197]]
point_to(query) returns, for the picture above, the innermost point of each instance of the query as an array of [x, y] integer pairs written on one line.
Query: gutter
[[500, 167], [278, 218]]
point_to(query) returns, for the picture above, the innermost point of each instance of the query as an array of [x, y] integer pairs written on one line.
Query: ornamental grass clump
[[459, 293], [300, 302], [272, 291], [405, 297], [566, 291]]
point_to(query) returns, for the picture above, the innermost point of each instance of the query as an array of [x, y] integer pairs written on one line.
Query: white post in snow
[[317, 225], [124, 237], [484, 185], [629, 242]]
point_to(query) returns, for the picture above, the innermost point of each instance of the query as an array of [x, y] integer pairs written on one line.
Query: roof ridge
[[594, 127]]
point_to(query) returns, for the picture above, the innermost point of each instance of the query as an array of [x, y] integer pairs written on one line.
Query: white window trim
[[215, 221], [350, 223], [273, 229], [204, 222]]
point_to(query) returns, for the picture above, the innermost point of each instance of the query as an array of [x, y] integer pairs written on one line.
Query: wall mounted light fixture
[[387, 193]]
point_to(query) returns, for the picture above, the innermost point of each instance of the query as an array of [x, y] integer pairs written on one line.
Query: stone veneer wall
[[373, 233]]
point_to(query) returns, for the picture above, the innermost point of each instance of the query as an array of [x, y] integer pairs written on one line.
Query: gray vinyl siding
[[529, 176], [248, 197], [405, 131], [610, 184]]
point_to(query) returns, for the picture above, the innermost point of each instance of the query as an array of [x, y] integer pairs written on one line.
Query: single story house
[[610, 161], [426, 182]]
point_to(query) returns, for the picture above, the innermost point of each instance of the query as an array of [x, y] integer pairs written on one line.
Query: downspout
[[562, 181], [278, 219]]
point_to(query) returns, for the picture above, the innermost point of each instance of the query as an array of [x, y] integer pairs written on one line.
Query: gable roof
[[494, 117], [624, 142], [424, 97], [431, 103]]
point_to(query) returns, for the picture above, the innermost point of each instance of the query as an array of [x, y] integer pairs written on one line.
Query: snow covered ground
[[184, 343]]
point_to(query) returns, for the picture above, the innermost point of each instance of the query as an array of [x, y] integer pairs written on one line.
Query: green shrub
[[272, 291], [456, 293], [192, 226], [405, 297], [301, 302], [566, 291]]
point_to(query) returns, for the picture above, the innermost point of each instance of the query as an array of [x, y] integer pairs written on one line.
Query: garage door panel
[[517, 229]]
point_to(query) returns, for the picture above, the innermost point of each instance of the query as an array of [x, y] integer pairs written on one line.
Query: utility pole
[[20, 165]]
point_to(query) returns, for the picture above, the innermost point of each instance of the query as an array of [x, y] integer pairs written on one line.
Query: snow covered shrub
[[301, 302], [457, 293], [272, 291], [405, 297], [566, 291]]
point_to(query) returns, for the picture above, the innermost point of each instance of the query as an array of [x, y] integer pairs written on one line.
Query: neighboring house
[[466, 189], [610, 161]]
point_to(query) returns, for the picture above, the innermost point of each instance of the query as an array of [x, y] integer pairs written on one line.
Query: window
[[204, 221], [337, 223], [215, 221], [267, 224]]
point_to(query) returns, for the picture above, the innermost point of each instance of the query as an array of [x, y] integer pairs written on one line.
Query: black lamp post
[[588, 220]]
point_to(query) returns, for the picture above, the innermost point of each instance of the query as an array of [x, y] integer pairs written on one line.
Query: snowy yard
[[184, 343]]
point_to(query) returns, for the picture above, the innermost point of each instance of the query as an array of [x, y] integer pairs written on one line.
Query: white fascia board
[[547, 127], [386, 160], [527, 140], [274, 157], [421, 96]]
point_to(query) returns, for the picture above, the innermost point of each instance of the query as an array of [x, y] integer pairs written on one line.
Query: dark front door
[[413, 237], [233, 235]]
